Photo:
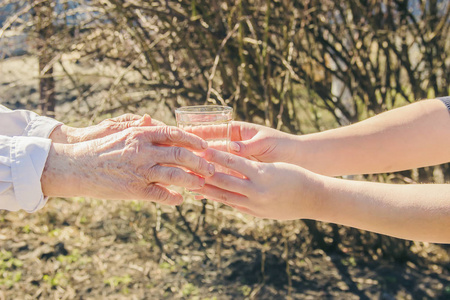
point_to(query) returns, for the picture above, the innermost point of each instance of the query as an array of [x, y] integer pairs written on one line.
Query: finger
[[229, 183], [162, 195], [184, 158], [125, 118], [215, 135], [169, 135], [132, 120], [228, 160], [175, 176], [149, 121], [209, 132], [241, 208], [236, 130], [223, 196], [241, 131], [145, 120], [121, 123], [245, 148]]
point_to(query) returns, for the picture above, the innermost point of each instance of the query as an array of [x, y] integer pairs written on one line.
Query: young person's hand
[[255, 142], [269, 190], [284, 191]]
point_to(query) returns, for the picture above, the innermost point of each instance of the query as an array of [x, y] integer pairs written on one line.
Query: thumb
[[244, 148], [146, 120]]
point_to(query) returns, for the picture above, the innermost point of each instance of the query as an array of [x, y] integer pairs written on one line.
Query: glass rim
[[200, 109]]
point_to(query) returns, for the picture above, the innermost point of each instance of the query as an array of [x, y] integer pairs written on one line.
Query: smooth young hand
[[283, 191], [255, 142], [269, 190]]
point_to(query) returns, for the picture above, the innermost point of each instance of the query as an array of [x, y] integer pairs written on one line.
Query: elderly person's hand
[[69, 135], [134, 163]]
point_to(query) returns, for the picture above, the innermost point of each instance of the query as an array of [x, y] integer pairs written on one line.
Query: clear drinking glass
[[210, 122]]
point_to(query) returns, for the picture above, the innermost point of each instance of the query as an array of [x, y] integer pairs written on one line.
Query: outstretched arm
[[412, 136], [285, 191]]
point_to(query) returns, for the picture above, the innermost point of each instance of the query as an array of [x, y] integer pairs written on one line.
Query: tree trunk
[[45, 31]]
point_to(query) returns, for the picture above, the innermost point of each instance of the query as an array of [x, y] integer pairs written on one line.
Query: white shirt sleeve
[[22, 161], [25, 123], [24, 147]]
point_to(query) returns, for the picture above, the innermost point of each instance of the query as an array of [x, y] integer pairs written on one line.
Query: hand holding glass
[[210, 122]]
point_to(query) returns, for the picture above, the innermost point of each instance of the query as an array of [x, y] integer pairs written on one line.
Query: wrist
[[314, 194], [326, 205], [63, 172], [64, 134], [296, 152]]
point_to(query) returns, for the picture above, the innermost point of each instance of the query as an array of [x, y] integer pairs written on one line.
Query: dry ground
[[92, 249]]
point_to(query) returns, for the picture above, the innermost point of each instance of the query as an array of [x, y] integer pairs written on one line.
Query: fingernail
[[211, 169], [146, 120], [204, 144], [235, 147]]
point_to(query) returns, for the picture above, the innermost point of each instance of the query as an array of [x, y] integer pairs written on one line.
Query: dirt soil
[[92, 249]]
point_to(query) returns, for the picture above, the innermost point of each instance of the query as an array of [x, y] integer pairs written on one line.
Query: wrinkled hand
[[70, 135], [269, 190], [132, 164]]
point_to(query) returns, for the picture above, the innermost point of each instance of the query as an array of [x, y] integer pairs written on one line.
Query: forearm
[[416, 212], [413, 136]]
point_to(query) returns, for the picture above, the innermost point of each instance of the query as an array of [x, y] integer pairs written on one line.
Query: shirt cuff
[[41, 127], [28, 157]]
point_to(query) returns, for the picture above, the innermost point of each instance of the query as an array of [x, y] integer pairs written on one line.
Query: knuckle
[[172, 133], [202, 165], [133, 140], [190, 180], [136, 133], [179, 154], [156, 193], [132, 132], [127, 117], [149, 173], [229, 161], [260, 169], [173, 175]]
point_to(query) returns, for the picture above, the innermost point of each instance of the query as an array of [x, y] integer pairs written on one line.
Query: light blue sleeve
[[446, 101]]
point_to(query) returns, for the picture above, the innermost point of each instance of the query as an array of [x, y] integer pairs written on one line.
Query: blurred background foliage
[[298, 66]]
